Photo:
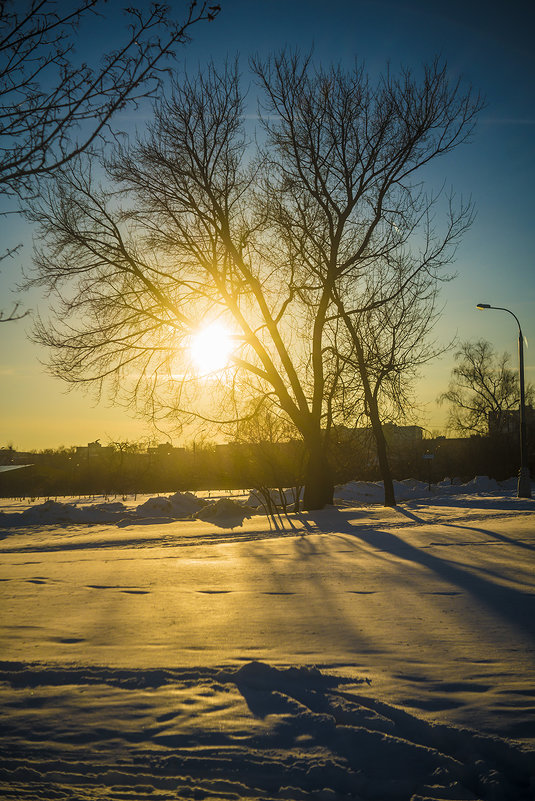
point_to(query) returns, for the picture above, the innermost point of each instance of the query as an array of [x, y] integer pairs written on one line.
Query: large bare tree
[[289, 243], [345, 163]]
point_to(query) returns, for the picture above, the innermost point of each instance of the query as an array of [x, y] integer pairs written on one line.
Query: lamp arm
[[502, 308]]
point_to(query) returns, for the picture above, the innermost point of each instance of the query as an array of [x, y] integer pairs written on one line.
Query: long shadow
[[407, 513], [493, 534], [285, 580], [517, 607], [512, 504]]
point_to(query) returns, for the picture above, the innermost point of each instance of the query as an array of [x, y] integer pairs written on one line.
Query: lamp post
[[524, 480]]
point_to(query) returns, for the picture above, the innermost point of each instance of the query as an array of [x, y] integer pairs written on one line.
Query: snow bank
[[366, 491], [225, 513], [410, 488], [53, 512], [186, 505], [181, 504]]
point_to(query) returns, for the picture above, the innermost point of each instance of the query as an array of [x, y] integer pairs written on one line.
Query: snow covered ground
[[172, 648]]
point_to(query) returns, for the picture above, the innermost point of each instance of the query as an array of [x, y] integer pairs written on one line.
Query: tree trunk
[[377, 428], [382, 455], [319, 484], [373, 409]]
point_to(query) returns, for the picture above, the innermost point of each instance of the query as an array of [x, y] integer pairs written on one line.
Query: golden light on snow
[[211, 348]]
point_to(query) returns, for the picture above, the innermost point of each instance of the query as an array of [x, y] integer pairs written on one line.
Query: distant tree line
[[128, 468]]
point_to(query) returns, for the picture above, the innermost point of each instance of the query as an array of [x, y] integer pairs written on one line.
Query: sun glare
[[211, 348]]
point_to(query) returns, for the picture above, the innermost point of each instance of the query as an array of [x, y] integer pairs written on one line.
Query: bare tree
[[344, 164], [288, 245], [482, 385], [385, 348]]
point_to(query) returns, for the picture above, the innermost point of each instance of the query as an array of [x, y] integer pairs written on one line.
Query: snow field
[[169, 658]]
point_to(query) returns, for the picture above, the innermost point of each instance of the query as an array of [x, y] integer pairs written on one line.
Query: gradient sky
[[491, 46]]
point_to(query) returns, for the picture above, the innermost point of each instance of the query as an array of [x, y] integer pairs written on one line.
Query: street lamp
[[524, 480]]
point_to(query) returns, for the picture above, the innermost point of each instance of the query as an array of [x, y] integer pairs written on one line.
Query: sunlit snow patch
[[179, 505]]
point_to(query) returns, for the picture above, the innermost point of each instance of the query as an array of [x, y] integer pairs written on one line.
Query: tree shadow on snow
[[358, 735], [515, 606]]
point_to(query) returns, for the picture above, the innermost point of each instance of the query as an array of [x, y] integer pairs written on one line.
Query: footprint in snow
[[68, 640]]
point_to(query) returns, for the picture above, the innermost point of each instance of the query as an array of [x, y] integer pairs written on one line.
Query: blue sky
[[490, 45]]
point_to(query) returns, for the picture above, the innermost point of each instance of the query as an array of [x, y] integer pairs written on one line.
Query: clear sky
[[490, 44]]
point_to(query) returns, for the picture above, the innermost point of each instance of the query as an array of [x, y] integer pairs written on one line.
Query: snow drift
[[255, 732]]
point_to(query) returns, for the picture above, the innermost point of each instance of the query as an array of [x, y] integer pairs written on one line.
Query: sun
[[211, 348]]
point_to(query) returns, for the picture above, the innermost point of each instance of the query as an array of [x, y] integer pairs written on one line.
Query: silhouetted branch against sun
[[303, 245]]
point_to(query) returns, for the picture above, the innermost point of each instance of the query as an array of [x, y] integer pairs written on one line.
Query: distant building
[[395, 435], [165, 449], [400, 435], [93, 449], [11, 456]]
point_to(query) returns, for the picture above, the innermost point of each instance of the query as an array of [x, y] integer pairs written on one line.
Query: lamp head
[[483, 306]]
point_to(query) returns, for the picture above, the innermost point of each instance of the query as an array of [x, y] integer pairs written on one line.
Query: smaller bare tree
[[482, 384], [387, 344]]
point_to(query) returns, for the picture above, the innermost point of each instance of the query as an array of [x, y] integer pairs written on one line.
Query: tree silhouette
[[290, 243], [52, 108], [357, 222], [482, 385]]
